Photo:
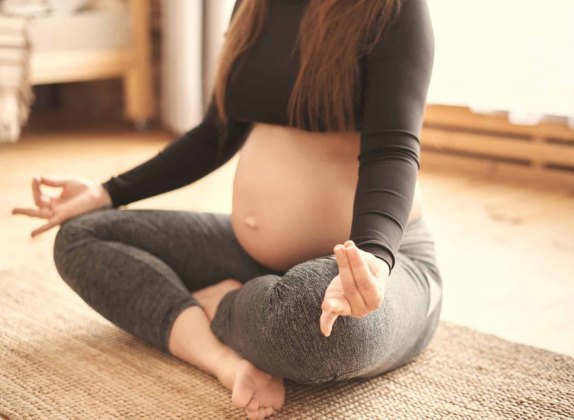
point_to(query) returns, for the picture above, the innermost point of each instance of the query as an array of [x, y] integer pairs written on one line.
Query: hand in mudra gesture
[[78, 195], [357, 290]]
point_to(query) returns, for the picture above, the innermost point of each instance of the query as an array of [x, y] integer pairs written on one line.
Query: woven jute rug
[[60, 359]]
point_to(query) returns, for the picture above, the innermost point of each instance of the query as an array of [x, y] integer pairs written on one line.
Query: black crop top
[[394, 82]]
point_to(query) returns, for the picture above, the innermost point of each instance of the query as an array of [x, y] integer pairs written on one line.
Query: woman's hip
[[418, 244], [418, 248]]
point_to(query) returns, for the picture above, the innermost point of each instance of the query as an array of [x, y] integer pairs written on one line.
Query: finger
[[326, 322], [39, 199], [352, 293], [45, 227], [54, 182], [366, 282], [336, 305], [44, 212], [376, 268]]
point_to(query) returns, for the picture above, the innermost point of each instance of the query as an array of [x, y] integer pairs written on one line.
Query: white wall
[[515, 55]]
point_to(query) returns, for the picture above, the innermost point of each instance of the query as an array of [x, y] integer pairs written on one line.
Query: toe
[[243, 388], [253, 414], [241, 395], [253, 405]]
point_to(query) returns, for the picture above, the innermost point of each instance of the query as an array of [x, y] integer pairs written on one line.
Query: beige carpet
[[59, 359]]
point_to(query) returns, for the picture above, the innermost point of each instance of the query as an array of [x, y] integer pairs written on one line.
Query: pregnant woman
[[325, 270]]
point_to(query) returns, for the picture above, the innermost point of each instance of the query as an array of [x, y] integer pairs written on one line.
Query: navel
[[251, 222]]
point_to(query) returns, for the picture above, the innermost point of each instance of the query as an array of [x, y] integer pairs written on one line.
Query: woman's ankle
[[226, 366], [208, 298]]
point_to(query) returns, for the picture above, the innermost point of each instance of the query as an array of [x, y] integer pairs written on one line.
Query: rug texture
[[60, 359]]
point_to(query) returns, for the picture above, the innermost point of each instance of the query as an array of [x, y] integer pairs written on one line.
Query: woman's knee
[[70, 240], [69, 232], [307, 355], [274, 321], [83, 225]]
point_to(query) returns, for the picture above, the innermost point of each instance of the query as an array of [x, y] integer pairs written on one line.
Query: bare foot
[[260, 393], [210, 296]]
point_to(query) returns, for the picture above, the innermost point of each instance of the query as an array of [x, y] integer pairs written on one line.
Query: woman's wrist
[[104, 196]]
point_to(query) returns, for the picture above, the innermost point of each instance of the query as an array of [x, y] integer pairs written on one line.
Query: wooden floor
[[506, 250]]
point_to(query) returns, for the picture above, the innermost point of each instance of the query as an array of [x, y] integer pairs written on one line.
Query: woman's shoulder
[[413, 16], [410, 32]]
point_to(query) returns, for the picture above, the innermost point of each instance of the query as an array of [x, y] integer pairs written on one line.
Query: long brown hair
[[335, 34]]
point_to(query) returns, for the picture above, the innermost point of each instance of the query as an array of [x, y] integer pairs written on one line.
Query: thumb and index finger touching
[[43, 202], [52, 181], [332, 308], [41, 199]]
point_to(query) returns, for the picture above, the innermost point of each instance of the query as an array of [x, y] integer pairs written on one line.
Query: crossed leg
[[273, 320], [144, 270]]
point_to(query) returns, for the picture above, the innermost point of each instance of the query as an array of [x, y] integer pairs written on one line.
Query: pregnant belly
[[293, 194], [292, 198]]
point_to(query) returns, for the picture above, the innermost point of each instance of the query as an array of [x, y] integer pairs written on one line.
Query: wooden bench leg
[[138, 83]]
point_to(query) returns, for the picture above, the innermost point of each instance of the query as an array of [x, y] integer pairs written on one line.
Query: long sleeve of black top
[[181, 162], [397, 80]]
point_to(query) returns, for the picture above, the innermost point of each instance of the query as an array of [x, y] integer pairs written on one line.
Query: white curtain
[[505, 55], [192, 33]]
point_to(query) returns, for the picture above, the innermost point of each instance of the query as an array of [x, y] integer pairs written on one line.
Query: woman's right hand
[[78, 196]]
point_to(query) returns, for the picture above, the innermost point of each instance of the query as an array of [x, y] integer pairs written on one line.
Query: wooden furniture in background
[[119, 50], [489, 144]]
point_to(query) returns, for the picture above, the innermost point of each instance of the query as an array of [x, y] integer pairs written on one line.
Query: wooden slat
[[434, 160], [138, 83], [454, 116], [498, 146]]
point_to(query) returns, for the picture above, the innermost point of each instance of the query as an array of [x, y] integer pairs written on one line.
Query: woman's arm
[[187, 159], [397, 80], [181, 162]]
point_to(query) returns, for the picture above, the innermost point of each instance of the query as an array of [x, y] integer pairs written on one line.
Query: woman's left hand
[[358, 288]]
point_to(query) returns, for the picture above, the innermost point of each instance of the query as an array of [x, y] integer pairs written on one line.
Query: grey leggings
[[137, 268]]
